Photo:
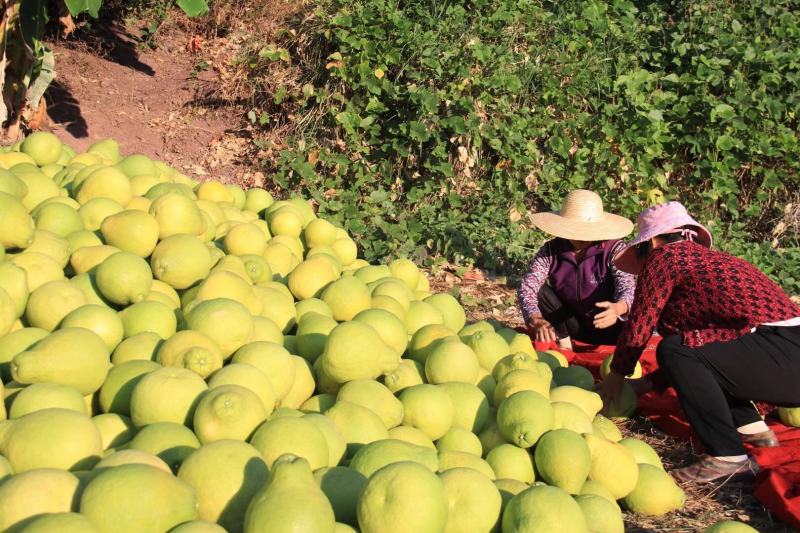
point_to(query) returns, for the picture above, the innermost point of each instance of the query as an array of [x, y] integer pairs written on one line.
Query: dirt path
[[111, 87]]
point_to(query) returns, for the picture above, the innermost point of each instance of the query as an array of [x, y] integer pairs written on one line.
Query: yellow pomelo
[[297, 436], [407, 271], [225, 321], [60, 523], [393, 288], [42, 146], [225, 475], [257, 200], [115, 394], [239, 196], [474, 503], [453, 313], [98, 318], [14, 343], [451, 361], [166, 395], [285, 221], [180, 261], [131, 231], [177, 214], [14, 281], [598, 489], [106, 182], [612, 465], [51, 245], [160, 287], [41, 492], [425, 339], [319, 232], [375, 397], [544, 509], [490, 348], [44, 396], [312, 333], [411, 435], [39, 269], [605, 368], [88, 258], [214, 191], [142, 346], [115, 430], [162, 500], [277, 306], [789, 416], [136, 165], [603, 515], [325, 383], [250, 378], [312, 305], [245, 239], [407, 374], [198, 526], [589, 401], [429, 409], [390, 329], [72, 356], [355, 351], [523, 417], [16, 225], [52, 438], [50, 303], [257, 268], [303, 386], [400, 497], [87, 283], [347, 297], [40, 188], [58, 218], [373, 456], [280, 259], [192, 350], [130, 457], [273, 360], [169, 187], [170, 441], [148, 316], [563, 460], [604, 427], [569, 416], [655, 494], [124, 278], [82, 238], [470, 406], [520, 361], [96, 210], [471, 329], [519, 380], [228, 412], [8, 313], [387, 303], [357, 424], [143, 183], [511, 462], [319, 403], [421, 314], [460, 440], [12, 185], [346, 250]]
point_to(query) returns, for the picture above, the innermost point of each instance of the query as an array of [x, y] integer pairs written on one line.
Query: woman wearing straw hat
[[572, 290], [731, 336]]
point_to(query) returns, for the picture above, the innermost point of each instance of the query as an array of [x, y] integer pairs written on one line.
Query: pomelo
[[149, 316], [523, 417], [569, 416], [16, 225], [170, 441], [101, 319], [602, 515], [273, 360], [373, 456], [576, 376], [520, 380], [124, 278], [563, 460], [389, 328], [655, 494], [42, 146], [429, 409], [130, 457], [166, 395], [41, 492], [588, 401], [470, 406], [407, 374], [303, 386], [342, 486], [642, 452], [347, 297], [451, 361], [131, 231], [44, 396], [312, 305], [228, 412], [337, 445], [16, 342], [411, 435], [192, 350], [57, 218], [605, 368], [60, 523], [142, 346], [319, 403], [312, 334], [421, 314], [225, 321], [106, 182], [180, 261], [729, 526], [290, 435], [460, 440], [613, 466], [454, 459], [257, 200], [511, 462], [198, 526], [474, 503], [544, 509], [452, 312], [393, 288], [115, 430], [375, 397], [358, 425], [490, 348], [387, 303], [14, 281], [177, 214], [355, 351], [425, 339]]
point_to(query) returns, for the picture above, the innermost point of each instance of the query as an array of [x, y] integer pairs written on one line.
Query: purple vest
[[580, 286]]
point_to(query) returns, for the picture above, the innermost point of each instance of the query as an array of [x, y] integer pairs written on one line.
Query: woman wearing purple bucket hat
[[731, 336]]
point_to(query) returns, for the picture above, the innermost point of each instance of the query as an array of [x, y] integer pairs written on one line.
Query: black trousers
[[717, 383], [567, 323]]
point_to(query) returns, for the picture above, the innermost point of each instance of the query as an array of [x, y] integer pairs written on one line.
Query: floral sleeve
[[532, 282], [624, 283]]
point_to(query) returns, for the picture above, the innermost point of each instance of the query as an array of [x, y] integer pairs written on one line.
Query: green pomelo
[[570, 416], [177, 214], [103, 320], [137, 165], [577, 376], [589, 401], [563, 460], [225, 476], [490, 348], [389, 328], [312, 334], [375, 397], [41, 492], [520, 342], [107, 183], [149, 316], [355, 351], [257, 268], [373, 456], [198, 526], [83, 238], [161, 500], [16, 225], [474, 503], [429, 409], [625, 405], [39, 269], [88, 258], [370, 273], [225, 321], [285, 222], [257, 200], [16, 342], [250, 378], [115, 430], [289, 435], [460, 440], [394, 288], [76, 357], [166, 395], [228, 412], [523, 417], [225, 284], [613, 466], [58, 218], [407, 271], [192, 350], [60, 523], [347, 297], [273, 360], [50, 303], [265, 330], [598, 489], [171, 442], [521, 380], [491, 437], [642, 452], [508, 489], [319, 403], [302, 387], [324, 383], [452, 459], [45, 396], [471, 329], [655, 494], [124, 278], [407, 374], [511, 462], [451, 361], [342, 486], [729, 526], [52, 438], [544, 509], [387, 303], [180, 261], [602, 515], [470, 407], [452, 312], [14, 281], [400, 497], [130, 457], [131, 231], [519, 361], [142, 346], [12, 185], [312, 305], [278, 307], [53, 246], [421, 314], [425, 339], [42, 146], [358, 425]]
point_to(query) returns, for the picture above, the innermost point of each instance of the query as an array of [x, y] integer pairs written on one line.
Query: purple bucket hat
[[670, 217]]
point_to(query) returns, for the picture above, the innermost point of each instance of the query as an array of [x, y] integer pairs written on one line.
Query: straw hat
[[582, 218]]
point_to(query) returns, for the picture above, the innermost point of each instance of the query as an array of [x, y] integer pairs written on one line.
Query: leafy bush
[[435, 127]]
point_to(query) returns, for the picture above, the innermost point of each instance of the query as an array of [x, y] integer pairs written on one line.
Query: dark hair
[[643, 249]]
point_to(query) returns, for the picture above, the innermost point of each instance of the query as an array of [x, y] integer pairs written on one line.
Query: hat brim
[[628, 261], [608, 227]]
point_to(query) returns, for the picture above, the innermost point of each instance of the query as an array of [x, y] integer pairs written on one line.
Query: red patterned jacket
[[705, 295]]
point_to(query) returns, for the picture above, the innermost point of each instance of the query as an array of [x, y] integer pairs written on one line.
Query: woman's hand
[[613, 310], [543, 329], [610, 389]]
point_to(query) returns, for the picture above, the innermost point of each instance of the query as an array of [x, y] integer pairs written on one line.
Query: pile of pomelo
[[193, 357]]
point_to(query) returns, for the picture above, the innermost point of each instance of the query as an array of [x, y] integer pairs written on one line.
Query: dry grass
[[491, 299]]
